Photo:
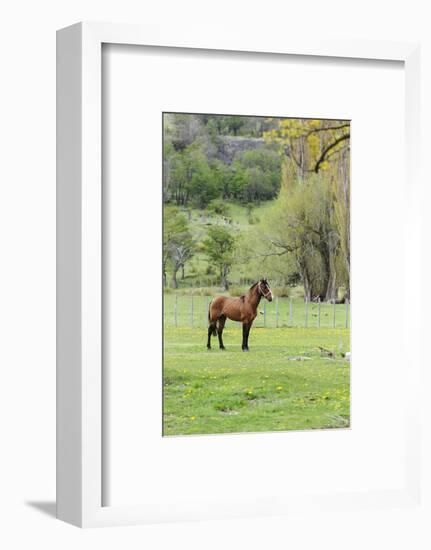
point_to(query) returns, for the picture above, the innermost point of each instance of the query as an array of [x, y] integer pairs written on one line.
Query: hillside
[[239, 219], [230, 146]]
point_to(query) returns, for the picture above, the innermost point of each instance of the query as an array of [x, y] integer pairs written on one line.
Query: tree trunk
[[305, 279], [224, 281], [307, 288], [331, 288], [174, 279], [331, 282]]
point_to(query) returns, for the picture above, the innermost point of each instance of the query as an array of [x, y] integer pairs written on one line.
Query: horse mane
[[242, 297]]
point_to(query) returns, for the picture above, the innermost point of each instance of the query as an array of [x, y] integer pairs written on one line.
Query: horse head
[[264, 289]]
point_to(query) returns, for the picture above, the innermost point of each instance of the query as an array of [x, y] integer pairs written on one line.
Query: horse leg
[[212, 331], [220, 327], [244, 336], [245, 332]]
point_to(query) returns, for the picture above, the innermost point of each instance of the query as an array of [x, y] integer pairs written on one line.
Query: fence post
[[175, 310], [318, 313], [191, 312], [276, 312], [306, 312], [333, 316], [264, 314], [347, 313], [290, 312]]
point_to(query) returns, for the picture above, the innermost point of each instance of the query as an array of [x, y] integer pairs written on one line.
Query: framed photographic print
[[227, 212]]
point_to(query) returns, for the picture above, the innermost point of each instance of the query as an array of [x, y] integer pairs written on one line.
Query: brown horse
[[242, 309]]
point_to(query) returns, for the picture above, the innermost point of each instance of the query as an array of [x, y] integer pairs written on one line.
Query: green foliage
[[220, 243], [261, 174], [174, 225], [191, 178], [311, 144], [302, 227], [181, 130], [197, 171], [219, 207], [281, 291], [178, 243], [219, 247]]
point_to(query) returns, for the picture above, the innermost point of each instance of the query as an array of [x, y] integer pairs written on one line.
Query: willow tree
[[301, 229], [316, 168]]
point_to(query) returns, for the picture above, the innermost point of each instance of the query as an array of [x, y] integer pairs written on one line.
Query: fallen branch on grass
[[326, 352]]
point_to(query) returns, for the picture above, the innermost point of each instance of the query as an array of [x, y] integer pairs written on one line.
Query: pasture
[[285, 382]]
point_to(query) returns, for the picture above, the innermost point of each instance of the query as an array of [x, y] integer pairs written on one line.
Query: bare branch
[[322, 129], [328, 149], [285, 249]]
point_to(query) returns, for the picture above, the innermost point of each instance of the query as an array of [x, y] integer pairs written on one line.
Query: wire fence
[[192, 311]]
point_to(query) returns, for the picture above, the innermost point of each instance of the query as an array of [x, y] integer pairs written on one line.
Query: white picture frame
[[79, 261]]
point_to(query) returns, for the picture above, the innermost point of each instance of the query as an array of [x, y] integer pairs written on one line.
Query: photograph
[[256, 273]]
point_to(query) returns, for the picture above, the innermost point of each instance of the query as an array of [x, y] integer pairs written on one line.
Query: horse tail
[[212, 325]]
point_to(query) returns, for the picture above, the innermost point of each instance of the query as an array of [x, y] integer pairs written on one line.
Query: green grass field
[[267, 389]]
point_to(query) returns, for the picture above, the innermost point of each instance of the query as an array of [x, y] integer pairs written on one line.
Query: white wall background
[[27, 270]]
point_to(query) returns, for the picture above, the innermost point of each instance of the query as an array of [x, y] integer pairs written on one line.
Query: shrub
[[192, 291], [236, 290], [297, 292], [253, 219], [281, 291], [219, 207]]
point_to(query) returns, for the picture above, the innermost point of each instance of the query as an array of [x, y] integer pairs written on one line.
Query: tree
[[303, 227], [203, 183], [219, 247], [181, 130], [341, 190], [178, 245], [190, 178], [317, 152], [261, 174], [180, 252]]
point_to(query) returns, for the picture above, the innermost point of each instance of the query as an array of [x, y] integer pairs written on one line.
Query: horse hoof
[[245, 349], [222, 347], [208, 347]]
